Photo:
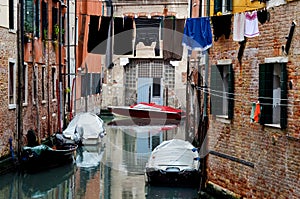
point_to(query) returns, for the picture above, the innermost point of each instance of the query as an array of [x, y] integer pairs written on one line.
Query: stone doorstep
[[220, 192]]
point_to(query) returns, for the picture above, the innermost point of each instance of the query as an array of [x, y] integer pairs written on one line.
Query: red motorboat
[[147, 110]]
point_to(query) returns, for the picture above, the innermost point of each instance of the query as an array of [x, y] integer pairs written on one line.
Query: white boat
[[85, 128], [174, 162]]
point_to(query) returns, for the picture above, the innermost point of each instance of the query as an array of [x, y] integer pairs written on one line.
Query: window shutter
[[283, 101], [28, 16], [216, 90], [55, 22], [11, 14], [37, 18], [44, 20], [229, 5], [217, 6], [266, 92], [230, 92]]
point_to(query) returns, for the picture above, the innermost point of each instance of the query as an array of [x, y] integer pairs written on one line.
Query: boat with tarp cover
[[174, 162]]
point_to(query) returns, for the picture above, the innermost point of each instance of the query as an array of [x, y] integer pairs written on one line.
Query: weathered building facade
[[9, 57], [87, 97], [143, 74], [256, 158]]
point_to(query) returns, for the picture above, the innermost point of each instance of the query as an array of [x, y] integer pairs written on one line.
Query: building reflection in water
[[111, 170]]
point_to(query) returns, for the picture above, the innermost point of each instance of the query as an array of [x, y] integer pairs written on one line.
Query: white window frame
[[25, 102], [12, 61], [44, 84], [36, 72], [54, 83]]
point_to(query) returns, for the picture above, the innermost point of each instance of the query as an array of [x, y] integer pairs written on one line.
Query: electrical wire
[[223, 94]]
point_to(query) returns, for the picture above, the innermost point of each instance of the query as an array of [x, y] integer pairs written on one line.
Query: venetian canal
[[112, 170]]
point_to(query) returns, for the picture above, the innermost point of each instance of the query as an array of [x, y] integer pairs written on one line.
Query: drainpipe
[[187, 122], [204, 120], [68, 57], [20, 44], [109, 12], [61, 108]]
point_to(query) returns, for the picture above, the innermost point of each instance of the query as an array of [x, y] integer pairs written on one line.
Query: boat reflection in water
[[114, 169], [51, 182], [155, 192]]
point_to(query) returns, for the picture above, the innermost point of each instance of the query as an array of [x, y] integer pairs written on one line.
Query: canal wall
[[8, 58], [247, 158]]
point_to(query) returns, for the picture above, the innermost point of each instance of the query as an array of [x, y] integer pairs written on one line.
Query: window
[[273, 94], [156, 87], [12, 83], [96, 84], [130, 77], [55, 24], [169, 73], [11, 14], [28, 16], [35, 83], [44, 20], [223, 6], [37, 17], [25, 83], [53, 80], [75, 33], [222, 90], [43, 83]]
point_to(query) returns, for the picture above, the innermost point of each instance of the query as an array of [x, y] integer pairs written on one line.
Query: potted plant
[[28, 32]]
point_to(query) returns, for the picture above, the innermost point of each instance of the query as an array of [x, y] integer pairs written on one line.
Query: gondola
[[54, 152]]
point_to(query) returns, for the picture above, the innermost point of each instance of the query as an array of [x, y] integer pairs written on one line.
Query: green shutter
[[216, 90], [37, 18], [28, 16], [283, 101], [229, 5], [266, 92], [44, 20], [217, 6], [230, 92]]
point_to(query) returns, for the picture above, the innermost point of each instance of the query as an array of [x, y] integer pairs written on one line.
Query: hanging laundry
[[147, 31], [251, 24], [172, 39], [263, 16], [97, 41], [197, 34], [239, 27], [93, 39], [123, 35], [257, 112], [221, 26]]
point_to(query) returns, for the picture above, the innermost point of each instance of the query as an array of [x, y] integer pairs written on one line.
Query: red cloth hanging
[[257, 112]]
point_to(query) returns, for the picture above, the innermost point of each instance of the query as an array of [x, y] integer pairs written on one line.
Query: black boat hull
[[35, 159], [181, 179]]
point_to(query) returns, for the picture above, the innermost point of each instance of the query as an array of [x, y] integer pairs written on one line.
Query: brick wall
[[7, 116], [274, 153]]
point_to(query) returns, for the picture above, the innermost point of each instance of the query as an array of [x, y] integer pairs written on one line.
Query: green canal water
[[113, 169]]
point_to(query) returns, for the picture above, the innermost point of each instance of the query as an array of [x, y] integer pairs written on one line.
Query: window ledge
[[276, 59], [44, 101], [54, 100], [223, 119], [12, 106], [25, 104], [273, 125], [12, 31]]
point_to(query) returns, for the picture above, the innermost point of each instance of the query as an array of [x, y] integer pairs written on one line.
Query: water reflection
[[113, 169]]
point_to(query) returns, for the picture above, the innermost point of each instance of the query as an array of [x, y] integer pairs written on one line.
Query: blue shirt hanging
[[197, 34]]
